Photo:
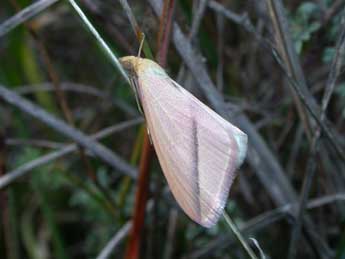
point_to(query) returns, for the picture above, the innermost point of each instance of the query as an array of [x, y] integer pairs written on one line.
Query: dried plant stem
[[103, 44], [35, 111], [171, 233], [26, 14], [61, 98], [21, 171], [311, 166], [239, 236], [262, 221], [305, 97], [116, 239], [287, 51]]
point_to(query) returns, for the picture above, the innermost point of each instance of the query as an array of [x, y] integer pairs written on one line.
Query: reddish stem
[[141, 196]]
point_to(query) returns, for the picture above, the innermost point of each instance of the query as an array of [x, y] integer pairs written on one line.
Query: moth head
[[130, 64], [136, 66]]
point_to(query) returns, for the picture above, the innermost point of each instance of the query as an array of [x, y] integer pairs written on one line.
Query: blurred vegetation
[[61, 211]]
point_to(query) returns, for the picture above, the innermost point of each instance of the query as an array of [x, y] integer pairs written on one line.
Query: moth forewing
[[239, 136], [198, 150]]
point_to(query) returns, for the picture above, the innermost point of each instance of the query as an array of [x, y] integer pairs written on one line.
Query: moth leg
[[149, 134], [135, 90]]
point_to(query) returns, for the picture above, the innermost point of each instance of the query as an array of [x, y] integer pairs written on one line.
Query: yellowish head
[[135, 65]]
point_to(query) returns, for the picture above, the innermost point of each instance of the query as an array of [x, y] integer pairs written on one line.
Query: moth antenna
[[141, 44]]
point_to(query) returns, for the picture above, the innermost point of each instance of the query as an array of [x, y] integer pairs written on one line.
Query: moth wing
[[198, 150]]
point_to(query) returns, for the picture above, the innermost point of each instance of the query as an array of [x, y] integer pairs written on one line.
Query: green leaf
[[306, 10], [328, 55], [302, 24]]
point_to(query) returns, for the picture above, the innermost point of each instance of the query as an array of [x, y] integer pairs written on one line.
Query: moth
[[197, 149]]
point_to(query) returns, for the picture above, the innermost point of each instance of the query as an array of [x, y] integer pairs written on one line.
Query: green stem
[[239, 236], [104, 45]]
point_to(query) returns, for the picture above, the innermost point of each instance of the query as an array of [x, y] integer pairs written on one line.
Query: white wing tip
[[242, 143]]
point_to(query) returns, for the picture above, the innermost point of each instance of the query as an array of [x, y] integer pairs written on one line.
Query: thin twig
[[239, 236], [336, 7], [314, 112], [305, 97], [220, 49], [61, 99], [65, 86], [241, 20], [170, 236], [27, 168], [78, 88], [198, 14], [24, 15], [114, 241], [105, 46], [197, 18], [311, 166], [119, 236], [262, 221], [34, 142], [101, 151], [136, 29], [289, 55]]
